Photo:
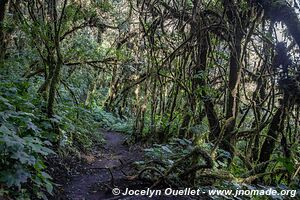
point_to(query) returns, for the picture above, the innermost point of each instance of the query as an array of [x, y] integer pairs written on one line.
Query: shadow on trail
[[107, 168]]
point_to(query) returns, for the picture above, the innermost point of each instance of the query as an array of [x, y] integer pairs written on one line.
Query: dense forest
[[97, 95]]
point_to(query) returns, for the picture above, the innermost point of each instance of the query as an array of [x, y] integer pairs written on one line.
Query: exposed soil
[[104, 169]]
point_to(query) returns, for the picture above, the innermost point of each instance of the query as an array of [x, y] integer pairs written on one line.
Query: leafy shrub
[[23, 145], [110, 121], [79, 129]]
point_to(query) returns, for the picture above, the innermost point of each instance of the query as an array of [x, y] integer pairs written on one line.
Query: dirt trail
[[94, 180]]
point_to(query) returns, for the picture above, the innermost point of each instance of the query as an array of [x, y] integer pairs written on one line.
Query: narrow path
[[95, 179], [94, 182]]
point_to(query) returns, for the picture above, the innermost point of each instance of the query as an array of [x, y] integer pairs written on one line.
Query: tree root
[[112, 180], [250, 179], [163, 177], [297, 171]]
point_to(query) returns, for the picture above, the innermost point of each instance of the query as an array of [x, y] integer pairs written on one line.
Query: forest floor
[[106, 168]]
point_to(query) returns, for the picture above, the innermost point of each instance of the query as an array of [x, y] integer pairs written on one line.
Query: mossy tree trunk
[[3, 8], [276, 127], [235, 46], [55, 79]]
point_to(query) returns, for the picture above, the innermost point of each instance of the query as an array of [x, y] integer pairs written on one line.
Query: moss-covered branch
[[280, 10]]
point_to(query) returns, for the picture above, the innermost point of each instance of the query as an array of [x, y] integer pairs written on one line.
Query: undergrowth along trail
[[109, 167]]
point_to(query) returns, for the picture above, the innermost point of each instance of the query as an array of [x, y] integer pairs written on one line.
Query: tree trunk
[[58, 64], [112, 90], [213, 120], [184, 125], [276, 126], [201, 62], [173, 105], [153, 108], [3, 8], [92, 89], [238, 23]]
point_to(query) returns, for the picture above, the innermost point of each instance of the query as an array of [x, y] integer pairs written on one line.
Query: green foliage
[[287, 163], [169, 152], [104, 5], [79, 130], [112, 122], [23, 144], [164, 156], [150, 69], [82, 47]]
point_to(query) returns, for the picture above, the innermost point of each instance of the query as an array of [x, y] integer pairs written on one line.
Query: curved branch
[[280, 10]]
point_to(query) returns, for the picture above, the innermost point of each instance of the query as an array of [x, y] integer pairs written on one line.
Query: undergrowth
[[27, 138], [168, 165]]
